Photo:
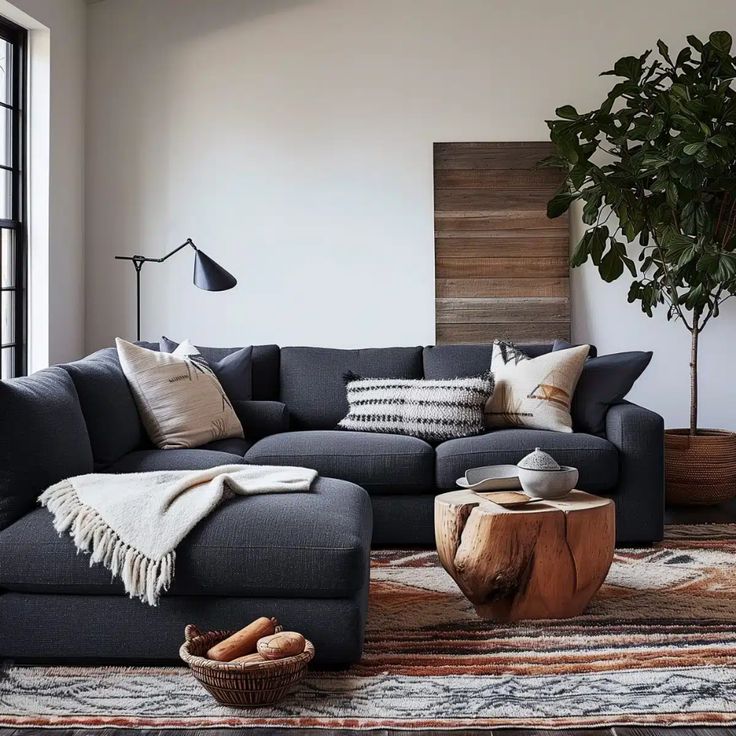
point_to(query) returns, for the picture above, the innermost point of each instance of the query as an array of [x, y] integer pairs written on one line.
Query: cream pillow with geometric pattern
[[180, 401], [534, 392]]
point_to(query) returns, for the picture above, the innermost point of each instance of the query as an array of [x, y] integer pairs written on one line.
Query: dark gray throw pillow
[[605, 381], [233, 367]]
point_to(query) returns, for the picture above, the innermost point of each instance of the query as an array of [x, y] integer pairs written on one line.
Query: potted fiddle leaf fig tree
[[654, 168]]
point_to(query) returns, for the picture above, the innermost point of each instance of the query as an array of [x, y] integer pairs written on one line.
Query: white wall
[[58, 41], [292, 139]]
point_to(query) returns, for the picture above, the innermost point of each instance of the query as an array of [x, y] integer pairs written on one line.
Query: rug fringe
[[143, 577]]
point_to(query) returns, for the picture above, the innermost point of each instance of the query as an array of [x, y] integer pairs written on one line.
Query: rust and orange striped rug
[[657, 646]]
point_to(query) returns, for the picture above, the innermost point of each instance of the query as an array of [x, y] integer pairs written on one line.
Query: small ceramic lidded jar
[[541, 476], [538, 460]]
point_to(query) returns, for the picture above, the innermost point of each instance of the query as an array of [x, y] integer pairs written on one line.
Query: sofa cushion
[[108, 406], [380, 463], [309, 545], [231, 445], [142, 461], [44, 439], [312, 384], [596, 458]]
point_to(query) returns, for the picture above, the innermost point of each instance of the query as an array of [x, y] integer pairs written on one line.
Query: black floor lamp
[[208, 275]]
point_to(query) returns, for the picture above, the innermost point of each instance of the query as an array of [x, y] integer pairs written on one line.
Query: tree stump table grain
[[546, 559]]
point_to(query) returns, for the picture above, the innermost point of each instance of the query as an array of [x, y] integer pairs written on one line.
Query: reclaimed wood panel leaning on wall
[[501, 267]]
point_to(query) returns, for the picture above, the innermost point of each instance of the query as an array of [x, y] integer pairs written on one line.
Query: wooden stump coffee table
[[546, 559]]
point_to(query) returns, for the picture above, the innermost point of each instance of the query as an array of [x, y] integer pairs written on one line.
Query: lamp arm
[[139, 260], [208, 275]]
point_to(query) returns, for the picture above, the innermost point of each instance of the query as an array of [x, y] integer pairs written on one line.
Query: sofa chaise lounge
[[301, 557]]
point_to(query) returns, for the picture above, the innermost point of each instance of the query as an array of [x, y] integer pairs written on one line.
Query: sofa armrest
[[262, 418], [638, 434]]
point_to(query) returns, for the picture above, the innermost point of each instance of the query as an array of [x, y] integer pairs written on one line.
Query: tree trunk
[[694, 376]]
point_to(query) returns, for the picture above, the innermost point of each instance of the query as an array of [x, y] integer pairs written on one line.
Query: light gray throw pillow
[[179, 399], [534, 392]]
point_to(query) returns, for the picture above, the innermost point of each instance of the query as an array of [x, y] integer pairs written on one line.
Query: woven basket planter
[[700, 469], [241, 684]]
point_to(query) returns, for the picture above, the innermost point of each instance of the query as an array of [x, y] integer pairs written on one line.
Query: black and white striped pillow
[[431, 410]]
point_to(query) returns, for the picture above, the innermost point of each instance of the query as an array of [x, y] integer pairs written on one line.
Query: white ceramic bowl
[[491, 478], [548, 483]]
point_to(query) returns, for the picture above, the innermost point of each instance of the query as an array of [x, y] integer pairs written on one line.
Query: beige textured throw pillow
[[534, 392], [180, 401]]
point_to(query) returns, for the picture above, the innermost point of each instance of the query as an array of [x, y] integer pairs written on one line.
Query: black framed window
[[13, 251]]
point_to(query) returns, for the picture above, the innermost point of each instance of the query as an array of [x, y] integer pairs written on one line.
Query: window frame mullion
[[16, 106]]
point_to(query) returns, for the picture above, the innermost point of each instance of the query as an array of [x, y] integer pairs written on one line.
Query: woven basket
[[700, 469], [241, 684]]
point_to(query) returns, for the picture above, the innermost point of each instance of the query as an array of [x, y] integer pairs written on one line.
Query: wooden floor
[[617, 731], [724, 514], [717, 515]]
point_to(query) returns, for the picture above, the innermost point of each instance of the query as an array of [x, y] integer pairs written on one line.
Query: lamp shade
[[211, 276]]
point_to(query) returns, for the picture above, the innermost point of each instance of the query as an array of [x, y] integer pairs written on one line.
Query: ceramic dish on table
[[541, 476], [491, 478]]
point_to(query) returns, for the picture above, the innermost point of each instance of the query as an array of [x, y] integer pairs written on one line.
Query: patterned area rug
[[657, 646]]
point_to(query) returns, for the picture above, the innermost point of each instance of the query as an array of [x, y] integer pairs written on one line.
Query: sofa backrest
[[309, 380], [463, 361], [108, 406], [313, 379], [43, 439]]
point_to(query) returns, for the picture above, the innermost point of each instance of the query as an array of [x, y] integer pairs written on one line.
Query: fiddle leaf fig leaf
[[612, 265], [683, 57], [664, 51], [695, 42], [656, 128], [590, 245], [582, 250], [693, 149], [721, 41], [685, 255], [598, 244], [628, 67], [559, 204], [567, 112], [708, 263], [671, 239], [592, 208], [672, 194], [688, 218], [629, 264], [726, 269]]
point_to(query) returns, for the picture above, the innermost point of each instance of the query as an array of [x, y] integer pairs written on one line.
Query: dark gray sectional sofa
[[301, 557]]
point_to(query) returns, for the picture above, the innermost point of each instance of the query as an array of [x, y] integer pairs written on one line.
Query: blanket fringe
[[143, 577]]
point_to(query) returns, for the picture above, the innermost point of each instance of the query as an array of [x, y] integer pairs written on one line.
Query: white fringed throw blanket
[[133, 522]]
